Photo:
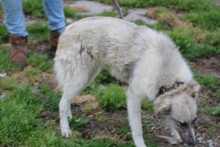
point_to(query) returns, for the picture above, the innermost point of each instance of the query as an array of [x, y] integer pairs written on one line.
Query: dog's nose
[[191, 137], [191, 142]]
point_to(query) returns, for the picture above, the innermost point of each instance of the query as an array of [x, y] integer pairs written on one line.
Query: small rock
[[89, 7], [138, 14], [102, 87], [210, 143], [153, 128], [200, 122], [3, 95], [199, 139], [83, 99], [203, 142], [3, 75], [198, 134], [69, 20]]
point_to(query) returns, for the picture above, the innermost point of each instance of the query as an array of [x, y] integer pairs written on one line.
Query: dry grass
[[168, 18]]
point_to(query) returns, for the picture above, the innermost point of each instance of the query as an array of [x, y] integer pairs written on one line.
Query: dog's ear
[[162, 105], [192, 89]]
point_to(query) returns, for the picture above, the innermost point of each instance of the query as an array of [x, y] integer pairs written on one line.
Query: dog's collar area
[[164, 89]]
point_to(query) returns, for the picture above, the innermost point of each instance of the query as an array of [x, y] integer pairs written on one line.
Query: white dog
[[145, 59]]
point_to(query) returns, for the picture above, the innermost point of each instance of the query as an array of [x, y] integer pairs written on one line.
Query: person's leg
[[14, 17], [56, 19], [55, 14], [15, 23]]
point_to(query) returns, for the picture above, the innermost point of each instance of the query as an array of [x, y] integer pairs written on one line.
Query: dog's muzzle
[[191, 137], [188, 136]]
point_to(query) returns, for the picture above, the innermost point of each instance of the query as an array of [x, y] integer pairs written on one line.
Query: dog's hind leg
[[76, 77], [134, 117]]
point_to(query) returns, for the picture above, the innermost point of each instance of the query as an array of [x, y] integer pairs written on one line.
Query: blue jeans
[[15, 21]]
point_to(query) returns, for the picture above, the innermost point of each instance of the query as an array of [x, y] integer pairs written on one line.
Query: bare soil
[[207, 65], [102, 124]]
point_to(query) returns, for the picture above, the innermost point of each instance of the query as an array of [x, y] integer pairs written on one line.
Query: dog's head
[[179, 105]]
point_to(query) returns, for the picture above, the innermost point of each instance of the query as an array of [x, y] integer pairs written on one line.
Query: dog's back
[[118, 45]]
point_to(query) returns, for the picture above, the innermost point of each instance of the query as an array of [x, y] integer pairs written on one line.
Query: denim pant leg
[[14, 17], [55, 14]]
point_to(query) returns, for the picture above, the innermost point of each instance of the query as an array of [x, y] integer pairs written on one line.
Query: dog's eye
[[193, 95], [182, 124], [194, 120]]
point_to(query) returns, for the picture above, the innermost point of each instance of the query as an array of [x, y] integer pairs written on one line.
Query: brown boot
[[54, 37], [18, 52]]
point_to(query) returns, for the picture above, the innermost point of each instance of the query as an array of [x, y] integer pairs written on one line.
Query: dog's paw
[[66, 133]]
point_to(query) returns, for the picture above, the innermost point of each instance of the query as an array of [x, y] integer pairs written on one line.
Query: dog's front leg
[[65, 111], [134, 117]]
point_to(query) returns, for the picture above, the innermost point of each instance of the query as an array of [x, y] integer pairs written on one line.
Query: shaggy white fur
[[137, 55]]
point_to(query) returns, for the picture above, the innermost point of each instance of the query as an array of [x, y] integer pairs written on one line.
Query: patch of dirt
[[87, 103], [79, 9], [102, 124], [40, 47], [47, 115], [217, 2], [169, 18], [206, 65], [139, 14], [30, 20], [43, 79]]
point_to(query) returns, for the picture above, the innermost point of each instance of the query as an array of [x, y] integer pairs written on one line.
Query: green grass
[[111, 98], [41, 62], [38, 32], [78, 123], [211, 82], [6, 65], [18, 113], [50, 99], [186, 5], [193, 5], [212, 38], [110, 14], [7, 85], [184, 39], [149, 106], [21, 125], [32, 72], [34, 8], [139, 3], [70, 13], [216, 111], [105, 78], [4, 37], [207, 20], [195, 39]]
